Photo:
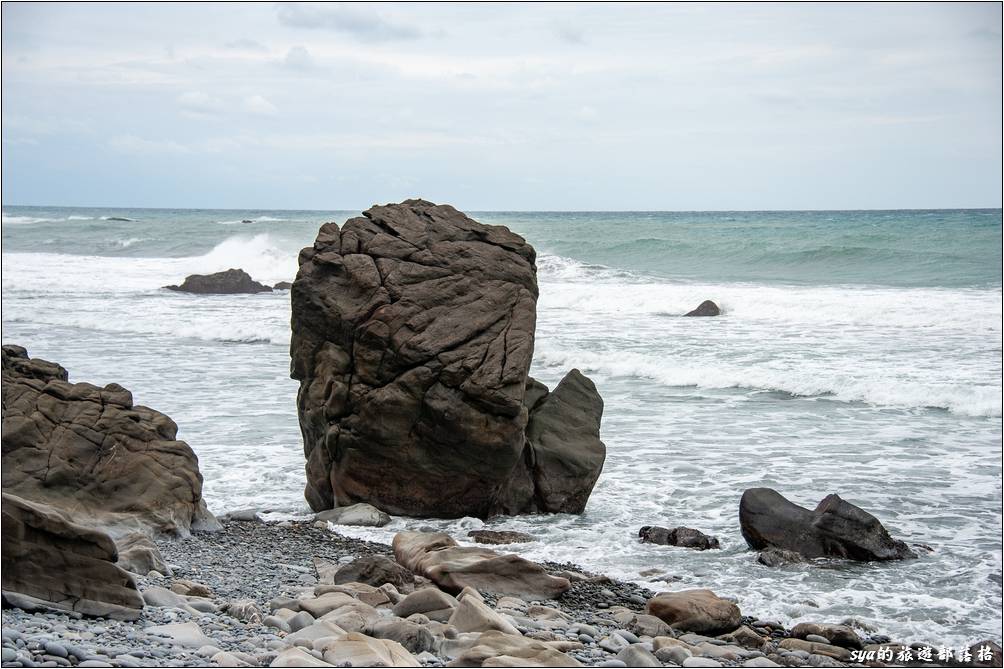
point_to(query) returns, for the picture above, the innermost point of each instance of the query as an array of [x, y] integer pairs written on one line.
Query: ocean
[[858, 353]]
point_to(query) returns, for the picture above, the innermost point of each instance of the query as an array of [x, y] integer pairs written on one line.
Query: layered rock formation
[[228, 282], [91, 452], [437, 557], [51, 562], [413, 331], [835, 528]]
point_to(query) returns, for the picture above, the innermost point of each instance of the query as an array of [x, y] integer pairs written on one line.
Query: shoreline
[[601, 620]]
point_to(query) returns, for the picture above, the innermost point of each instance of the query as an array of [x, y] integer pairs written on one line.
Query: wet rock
[[437, 557], [836, 528], [497, 537], [363, 515], [51, 562], [778, 557], [700, 611], [685, 537], [229, 282], [705, 308], [413, 330]]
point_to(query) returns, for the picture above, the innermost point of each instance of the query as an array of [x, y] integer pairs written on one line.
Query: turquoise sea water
[[858, 353]]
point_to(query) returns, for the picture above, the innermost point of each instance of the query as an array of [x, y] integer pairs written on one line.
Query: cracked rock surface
[[413, 330], [91, 452]]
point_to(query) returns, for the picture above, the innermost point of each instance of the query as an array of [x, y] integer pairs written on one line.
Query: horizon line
[[524, 211]]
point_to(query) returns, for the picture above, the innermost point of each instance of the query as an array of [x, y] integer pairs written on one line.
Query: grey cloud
[[344, 19], [298, 58]]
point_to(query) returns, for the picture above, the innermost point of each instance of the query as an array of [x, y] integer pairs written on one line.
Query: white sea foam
[[126, 243], [80, 218], [21, 220]]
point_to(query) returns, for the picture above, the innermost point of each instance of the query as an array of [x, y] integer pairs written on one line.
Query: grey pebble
[[815, 638]]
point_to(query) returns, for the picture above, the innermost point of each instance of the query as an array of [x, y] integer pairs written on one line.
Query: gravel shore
[[255, 563]]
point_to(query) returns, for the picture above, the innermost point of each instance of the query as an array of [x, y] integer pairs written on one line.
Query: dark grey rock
[[836, 528], [684, 537], [705, 308], [229, 282]]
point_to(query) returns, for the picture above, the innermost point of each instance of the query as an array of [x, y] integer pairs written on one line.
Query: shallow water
[[859, 353]]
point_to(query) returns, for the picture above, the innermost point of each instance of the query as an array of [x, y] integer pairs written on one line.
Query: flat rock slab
[[188, 635], [437, 557]]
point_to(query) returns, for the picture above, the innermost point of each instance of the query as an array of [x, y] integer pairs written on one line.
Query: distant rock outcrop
[[835, 528], [93, 453], [229, 282], [705, 308], [413, 330], [51, 562]]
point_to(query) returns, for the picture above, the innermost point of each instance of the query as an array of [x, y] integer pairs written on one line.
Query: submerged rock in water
[[684, 537], [229, 282], [705, 308], [49, 561], [497, 537], [91, 451], [413, 330], [836, 528]]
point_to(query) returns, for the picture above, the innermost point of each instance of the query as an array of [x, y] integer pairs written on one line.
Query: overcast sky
[[514, 106]]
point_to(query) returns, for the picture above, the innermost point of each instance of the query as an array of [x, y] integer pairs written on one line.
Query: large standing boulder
[[413, 329], [436, 556], [91, 452], [51, 562], [228, 282], [835, 528]]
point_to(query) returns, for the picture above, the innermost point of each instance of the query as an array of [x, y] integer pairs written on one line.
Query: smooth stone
[[611, 663], [815, 638], [674, 654], [700, 662], [628, 636], [636, 656], [760, 662]]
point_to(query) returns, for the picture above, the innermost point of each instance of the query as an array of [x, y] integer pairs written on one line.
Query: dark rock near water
[[282, 285], [835, 528], [705, 308], [497, 537], [777, 557], [413, 330], [229, 282], [684, 537], [51, 562], [90, 451]]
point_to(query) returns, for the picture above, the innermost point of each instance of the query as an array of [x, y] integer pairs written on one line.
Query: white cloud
[[197, 104], [362, 23], [298, 58], [258, 104]]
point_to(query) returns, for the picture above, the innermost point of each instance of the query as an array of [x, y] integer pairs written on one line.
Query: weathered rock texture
[[437, 556], [700, 611], [228, 282], [50, 561], [413, 331], [836, 528], [91, 452]]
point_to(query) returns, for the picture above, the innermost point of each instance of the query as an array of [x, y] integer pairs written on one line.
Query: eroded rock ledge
[[413, 330]]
